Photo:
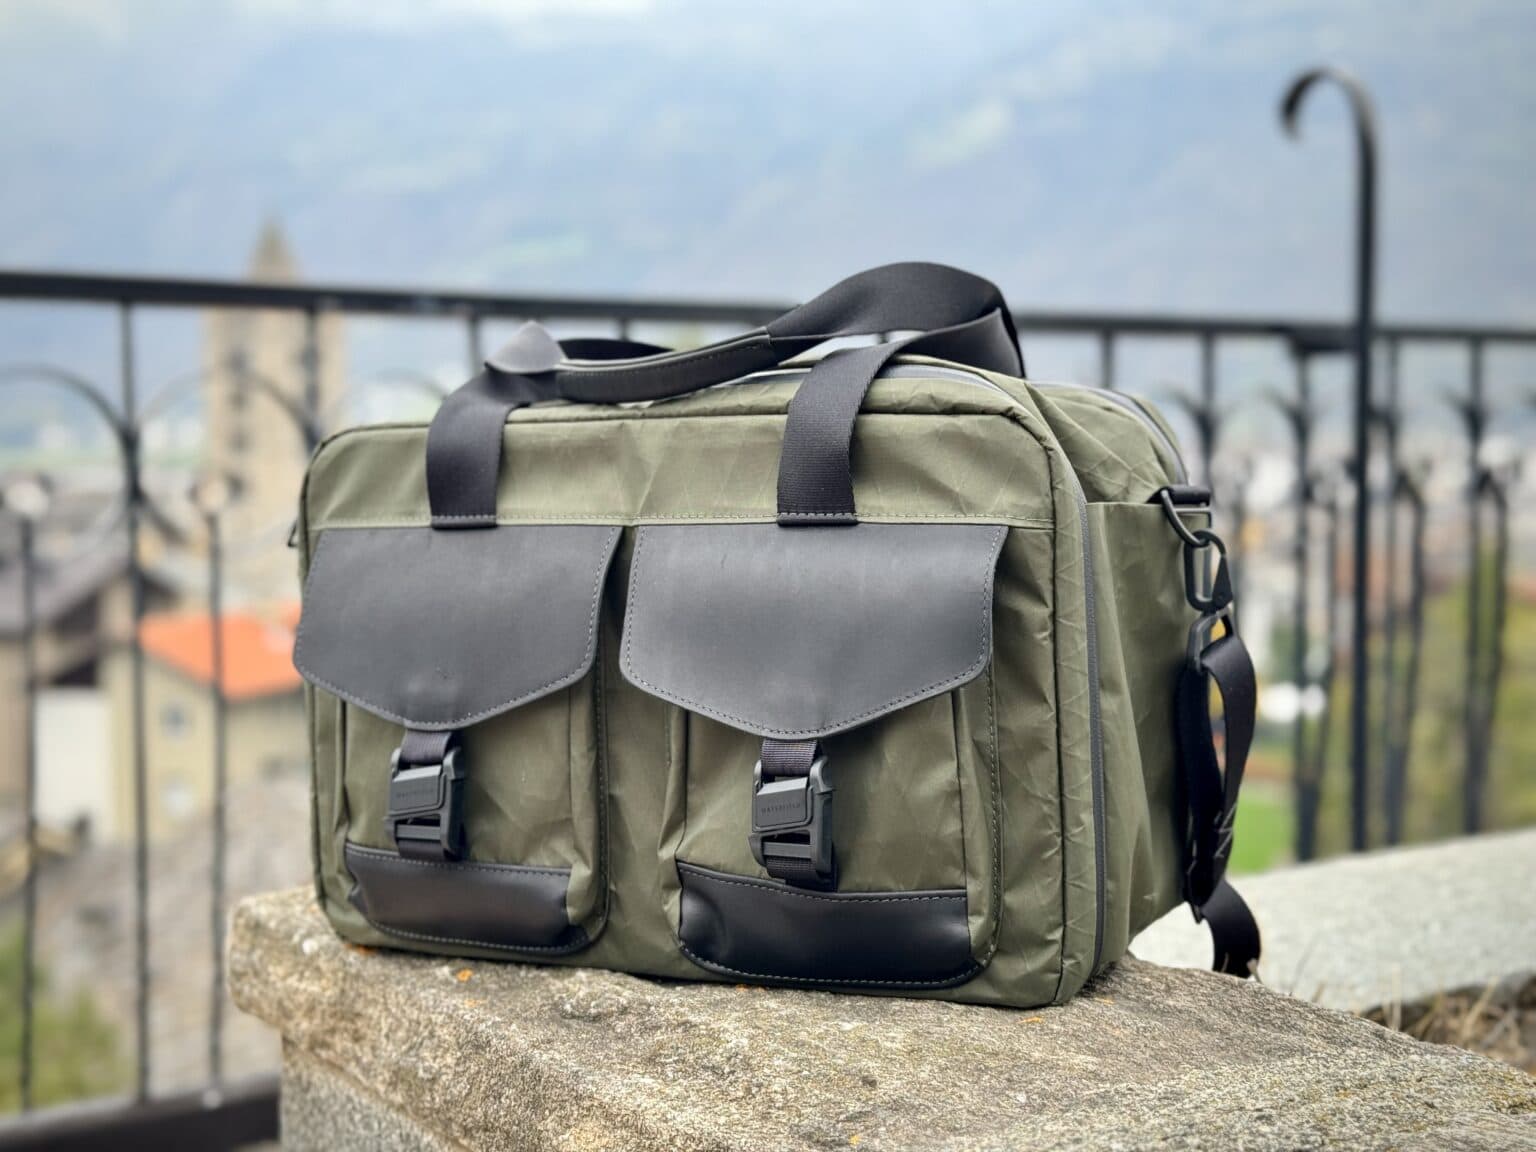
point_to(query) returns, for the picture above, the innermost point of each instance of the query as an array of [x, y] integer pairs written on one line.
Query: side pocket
[[1143, 629], [328, 737]]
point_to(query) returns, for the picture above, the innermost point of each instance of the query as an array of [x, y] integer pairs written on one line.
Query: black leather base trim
[[763, 930], [510, 906]]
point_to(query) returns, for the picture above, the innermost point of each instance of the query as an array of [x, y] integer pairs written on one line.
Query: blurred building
[[259, 381], [265, 734], [83, 608]]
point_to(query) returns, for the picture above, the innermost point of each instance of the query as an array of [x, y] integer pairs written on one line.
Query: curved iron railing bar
[[1472, 409], [78, 385], [240, 376], [1483, 687], [1387, 420], [1301, 415], [1364, 120], [1400, 698], [1237, 480], [1315, 756], [423, 382], [1207, 418], [125, 435]]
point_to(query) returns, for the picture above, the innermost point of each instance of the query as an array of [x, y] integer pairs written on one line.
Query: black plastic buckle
[[425, 816], [1203, 631], [791, 833]]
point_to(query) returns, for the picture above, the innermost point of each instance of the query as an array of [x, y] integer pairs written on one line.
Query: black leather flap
[[437, 630], [803, 632]]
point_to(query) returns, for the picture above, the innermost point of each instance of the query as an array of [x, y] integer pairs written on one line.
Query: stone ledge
[[1402, 925], [501, 1056]]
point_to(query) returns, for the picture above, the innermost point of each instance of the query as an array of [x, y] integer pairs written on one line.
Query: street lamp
[[1365, 322], [26, 498]]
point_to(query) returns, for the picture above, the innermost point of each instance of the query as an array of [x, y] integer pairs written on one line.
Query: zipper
[[1090, 596]]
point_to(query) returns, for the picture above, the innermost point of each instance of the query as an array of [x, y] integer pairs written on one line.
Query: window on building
[[175, 722]]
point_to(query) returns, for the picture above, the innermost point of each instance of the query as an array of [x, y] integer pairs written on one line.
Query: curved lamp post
[[1364, 328]]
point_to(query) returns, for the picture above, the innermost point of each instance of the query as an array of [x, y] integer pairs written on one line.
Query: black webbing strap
[[1234, 932], [1208, 790], [788, 757], [816, 463], [418, 748], [1211, 792], [954, 315], [464, 442]]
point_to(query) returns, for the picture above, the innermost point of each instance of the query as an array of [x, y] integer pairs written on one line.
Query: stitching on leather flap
[[636, 617], [589, 649]]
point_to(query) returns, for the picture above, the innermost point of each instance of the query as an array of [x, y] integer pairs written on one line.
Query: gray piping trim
[[1095, 724], [811, 982]]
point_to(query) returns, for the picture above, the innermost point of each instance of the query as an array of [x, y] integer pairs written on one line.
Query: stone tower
[[258, 383]]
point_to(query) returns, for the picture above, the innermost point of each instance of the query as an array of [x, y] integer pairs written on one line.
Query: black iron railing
[[1304, 341]]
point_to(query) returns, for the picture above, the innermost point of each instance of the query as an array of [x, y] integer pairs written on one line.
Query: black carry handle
[[953, 314]]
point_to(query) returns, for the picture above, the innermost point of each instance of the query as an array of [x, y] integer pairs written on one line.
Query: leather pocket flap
[[802, 632], [438, 629]]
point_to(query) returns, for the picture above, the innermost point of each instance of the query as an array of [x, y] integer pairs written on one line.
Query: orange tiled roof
[[258, 649]]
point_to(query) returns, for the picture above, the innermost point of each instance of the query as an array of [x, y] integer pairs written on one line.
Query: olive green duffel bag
[[887, 671]]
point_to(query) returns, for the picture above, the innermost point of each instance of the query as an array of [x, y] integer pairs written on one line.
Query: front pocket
[[874, 642], [531, 814], [497, 631]]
